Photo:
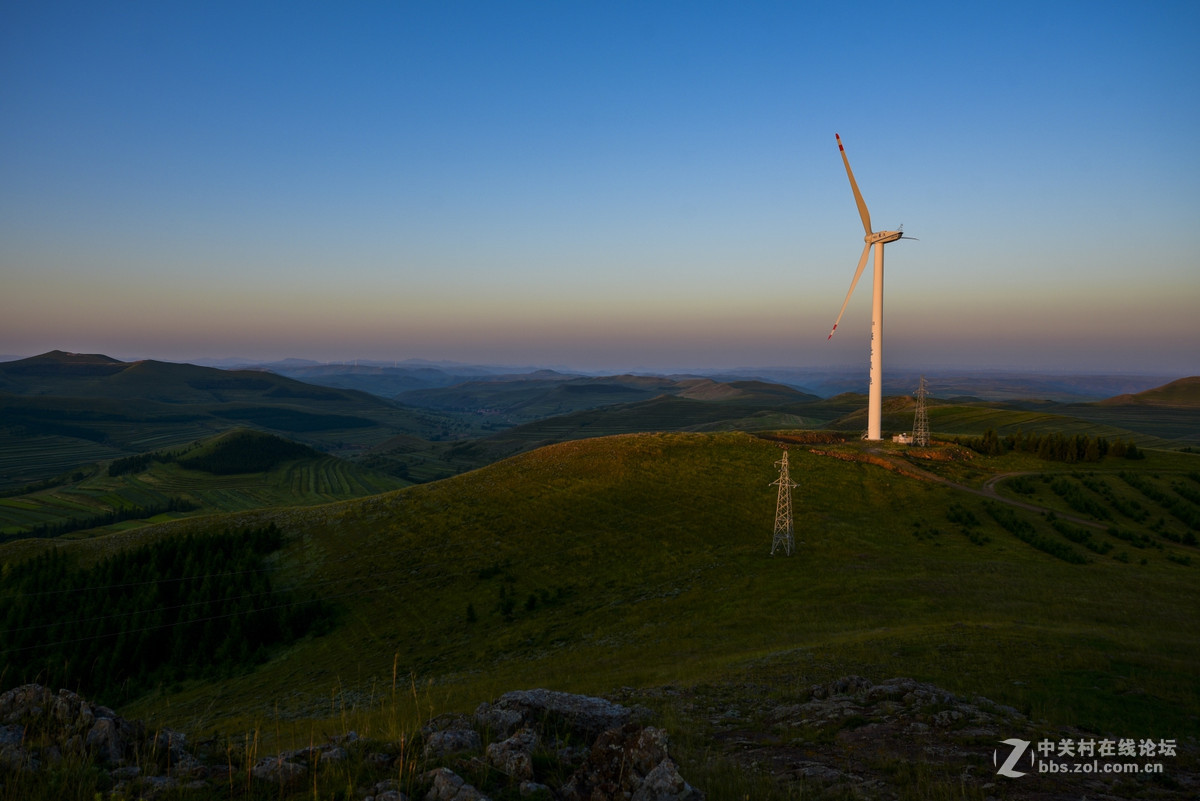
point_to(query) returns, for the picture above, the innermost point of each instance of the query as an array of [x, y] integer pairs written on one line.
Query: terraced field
[[34, 458], [145, 496]]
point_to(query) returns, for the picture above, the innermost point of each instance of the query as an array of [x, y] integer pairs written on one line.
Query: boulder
[[449, 786], [621, 763], [664, 783], [105, 742], [451, 741], [514, 756], [582, 715]]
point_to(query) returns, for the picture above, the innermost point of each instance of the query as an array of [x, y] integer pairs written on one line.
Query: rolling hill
[[702, 405], [1170, 412], [236, 470], [664, 405], [61, 410], [1181, 394]]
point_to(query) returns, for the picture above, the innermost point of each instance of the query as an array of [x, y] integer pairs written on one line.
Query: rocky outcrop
[[629, 762], [855, 738], [850, 737], [514, 756], [451, 741], [449, 786], [39, 724], [603, 747], [582, 715]]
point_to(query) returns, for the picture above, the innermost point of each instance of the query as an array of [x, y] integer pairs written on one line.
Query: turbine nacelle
[[883, 237]]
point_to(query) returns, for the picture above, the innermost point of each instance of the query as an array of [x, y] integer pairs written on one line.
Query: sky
[[601, 185]]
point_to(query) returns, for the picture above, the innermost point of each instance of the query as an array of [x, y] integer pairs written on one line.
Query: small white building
[[903, 439]]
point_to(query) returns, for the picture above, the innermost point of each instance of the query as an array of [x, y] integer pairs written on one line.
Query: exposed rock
[[386, 791], [388, 795], [596, 738], [527, 789], [51, 724], [584, 716], [844, 738], [11, 735], [278, 769], [664, 783], [501, 721], [620, 762], [514, 756], [171, 742], [451, 741], [447, 722], [449, 786], [105, 741]]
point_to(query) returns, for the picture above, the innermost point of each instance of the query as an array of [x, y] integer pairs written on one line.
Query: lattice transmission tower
[[783, 510], [921, 417]]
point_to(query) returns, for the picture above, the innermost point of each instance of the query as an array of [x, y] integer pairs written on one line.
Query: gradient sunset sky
[[602, 185]]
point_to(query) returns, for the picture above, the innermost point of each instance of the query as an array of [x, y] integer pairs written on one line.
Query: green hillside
[[59, 411], [752, 406], [238, 470], [1181, 394], [642, 560]]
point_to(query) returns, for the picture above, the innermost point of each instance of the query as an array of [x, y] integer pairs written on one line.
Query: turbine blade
[[858, 198], [861, 263]]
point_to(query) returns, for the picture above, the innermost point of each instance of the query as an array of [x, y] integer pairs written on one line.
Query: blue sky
[[601, 185]]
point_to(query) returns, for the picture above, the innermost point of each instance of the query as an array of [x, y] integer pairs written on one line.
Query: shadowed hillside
[[59, 411]]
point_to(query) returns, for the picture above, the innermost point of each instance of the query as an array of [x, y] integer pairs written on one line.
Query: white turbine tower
[[878, 239]]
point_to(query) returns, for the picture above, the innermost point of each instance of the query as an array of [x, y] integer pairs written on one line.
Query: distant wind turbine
[[878, 239]]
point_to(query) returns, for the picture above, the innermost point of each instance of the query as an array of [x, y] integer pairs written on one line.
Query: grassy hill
[[752, 406], [60, 410], [642, 560], [238, 470], [699, 405], [1181, 394]]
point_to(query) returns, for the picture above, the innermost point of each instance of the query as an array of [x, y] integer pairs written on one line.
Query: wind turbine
[[878, 239]]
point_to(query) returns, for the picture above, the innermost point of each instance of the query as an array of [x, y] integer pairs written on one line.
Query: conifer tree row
[[1052, 447]]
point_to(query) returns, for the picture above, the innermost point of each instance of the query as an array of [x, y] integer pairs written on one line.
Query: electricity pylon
[[783, 510], [921, 417]]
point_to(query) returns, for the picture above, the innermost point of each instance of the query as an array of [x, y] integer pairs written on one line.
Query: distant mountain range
[[394, 379], [389, 379]]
